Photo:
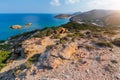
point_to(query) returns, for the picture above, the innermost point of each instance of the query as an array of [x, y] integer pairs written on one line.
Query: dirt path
[[13, 64], [19, 61]]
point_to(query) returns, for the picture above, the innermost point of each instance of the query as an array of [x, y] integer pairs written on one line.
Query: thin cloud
[[106, 4], [58, 3], [72, 1], [55, 3]]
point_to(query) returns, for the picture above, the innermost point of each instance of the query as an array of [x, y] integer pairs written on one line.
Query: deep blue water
[[38, 21]]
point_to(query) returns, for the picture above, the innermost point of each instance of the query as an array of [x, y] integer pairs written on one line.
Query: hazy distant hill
[[113, 19], [63, 16], [99, 17], [76, 13]]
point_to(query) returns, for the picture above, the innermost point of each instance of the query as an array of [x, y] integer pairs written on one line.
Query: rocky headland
[[68, 52], [62, 16]]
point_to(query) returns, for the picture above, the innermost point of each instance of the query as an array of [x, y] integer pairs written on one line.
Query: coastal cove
[[39, 21]]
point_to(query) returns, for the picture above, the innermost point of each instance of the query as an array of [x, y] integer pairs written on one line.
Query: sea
[[39, 21]]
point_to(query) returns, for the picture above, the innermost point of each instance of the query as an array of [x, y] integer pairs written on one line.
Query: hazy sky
[[55, 6]]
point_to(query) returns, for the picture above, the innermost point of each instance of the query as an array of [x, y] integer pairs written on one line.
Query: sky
[[56, 6]]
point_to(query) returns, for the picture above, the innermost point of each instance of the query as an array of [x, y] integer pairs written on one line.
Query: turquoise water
[[38, 21]]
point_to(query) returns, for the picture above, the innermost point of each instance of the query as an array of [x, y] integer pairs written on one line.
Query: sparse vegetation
[[63, 40], [4, 55], [45, 32], [75, 27], [114, 61], [56, 36], [104, 44], [23, 34], [116, 42], [110, 68], [50, 47], [1, 41], [76, 34], [32, 60], [4, 47], [90, 47]]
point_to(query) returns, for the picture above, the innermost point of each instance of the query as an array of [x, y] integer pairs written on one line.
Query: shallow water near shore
[[38, 21]]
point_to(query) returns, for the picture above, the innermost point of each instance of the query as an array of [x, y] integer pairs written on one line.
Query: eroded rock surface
[[54, 57], [36, 45]]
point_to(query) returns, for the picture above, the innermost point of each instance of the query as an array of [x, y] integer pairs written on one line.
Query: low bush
[[4, 47], [46, 32], [32, 60], [4, 55], [63, 40], [75, 35], [104, 44], [116, 42], [90, 47], [74, 27], [56, 36]]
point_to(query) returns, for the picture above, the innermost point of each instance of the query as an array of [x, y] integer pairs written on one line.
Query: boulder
[[28, 24], [68, 51], [50, 62], [55, 56], [60, 30]]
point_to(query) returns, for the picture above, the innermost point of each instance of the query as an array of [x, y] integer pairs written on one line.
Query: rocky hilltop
[[68, 52], [98, 17]]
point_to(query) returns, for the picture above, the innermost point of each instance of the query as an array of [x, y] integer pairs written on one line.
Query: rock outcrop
[[28, 24], [54, 57], [68, 51], [16, 27], [36, 45], [60, 30]]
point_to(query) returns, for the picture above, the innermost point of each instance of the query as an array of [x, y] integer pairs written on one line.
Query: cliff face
[[69, 52]]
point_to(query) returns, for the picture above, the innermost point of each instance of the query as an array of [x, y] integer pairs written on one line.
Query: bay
[[39, 21]]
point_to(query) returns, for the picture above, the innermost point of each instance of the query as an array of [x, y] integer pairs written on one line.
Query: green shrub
[[63, 40], [4, 55], [116, 42], [45, 32], [75, 27], [2, 41], [32, 60], [50, 46], [28, 64], [90, 47], [56, 36], [4, 47], [23, 34], [75, 35], [104, 44]]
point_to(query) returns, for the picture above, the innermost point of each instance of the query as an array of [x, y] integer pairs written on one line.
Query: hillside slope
[[68, 52], [100, 17]]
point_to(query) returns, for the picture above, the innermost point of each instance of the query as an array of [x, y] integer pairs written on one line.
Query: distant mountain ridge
[[99, 17], [62, 16]]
